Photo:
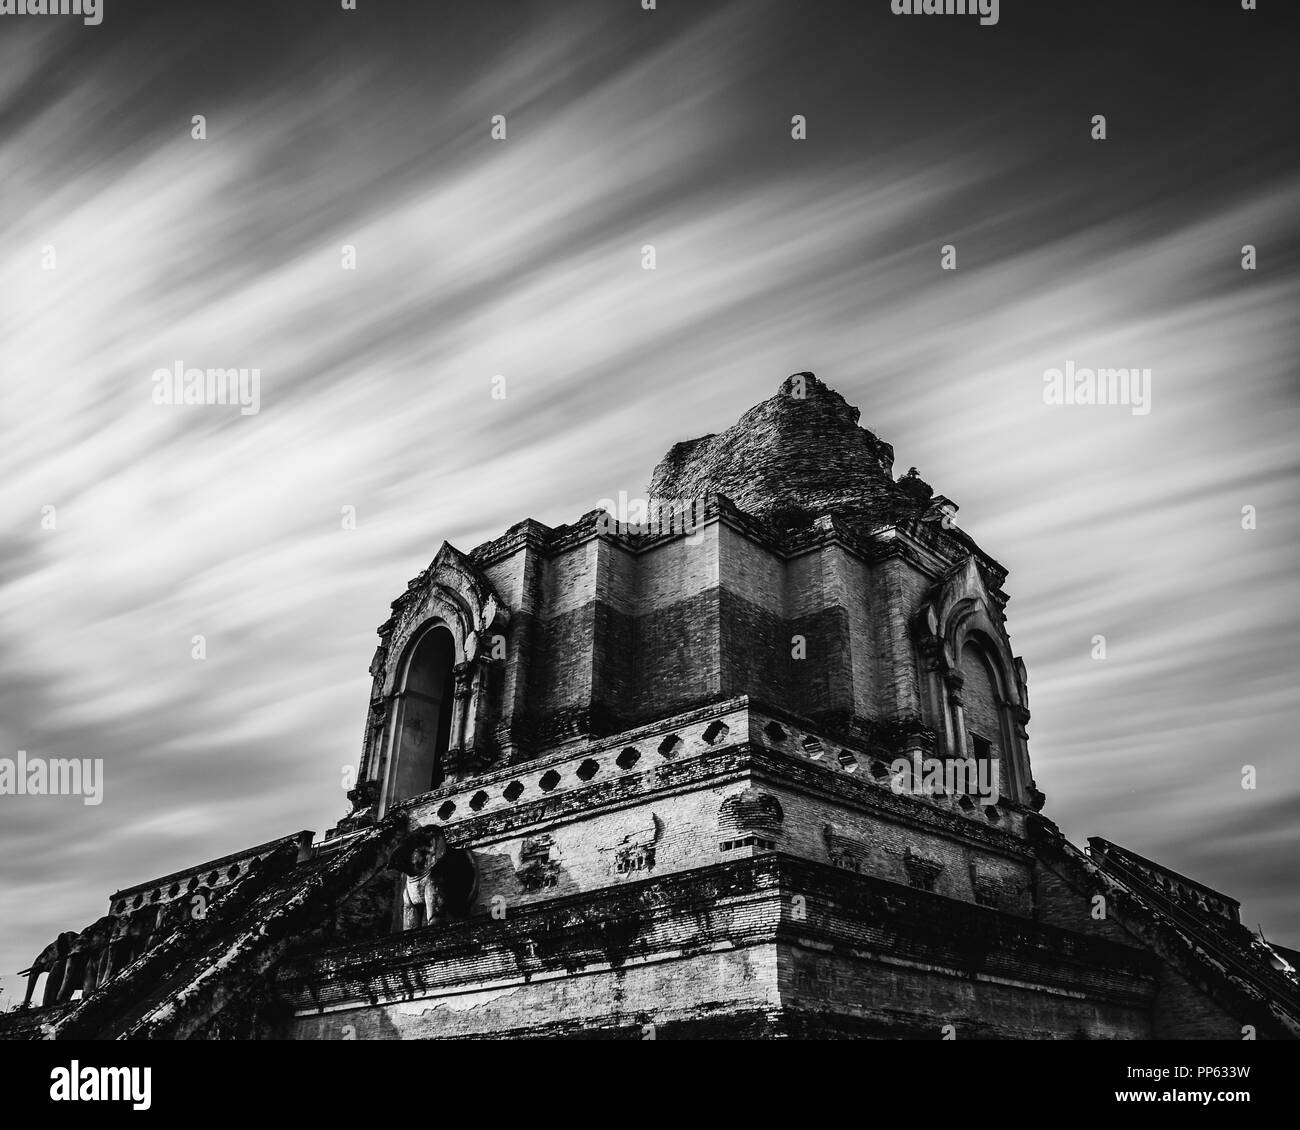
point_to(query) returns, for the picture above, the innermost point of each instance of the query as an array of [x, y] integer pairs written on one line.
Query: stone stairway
[[1230, 973], [209, 964]]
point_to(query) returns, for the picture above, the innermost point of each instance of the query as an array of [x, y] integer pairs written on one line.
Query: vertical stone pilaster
[[469, 747], [902, 693], [462, 689], [957, 730]]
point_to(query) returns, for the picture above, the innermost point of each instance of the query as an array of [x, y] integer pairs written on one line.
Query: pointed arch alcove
[[433, 702], [983, 707], [974, 686], [422, 707]]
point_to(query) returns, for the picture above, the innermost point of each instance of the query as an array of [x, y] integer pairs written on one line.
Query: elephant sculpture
[[130, 937], [81, 970], [52, 960], [117, 954], [171, 916], [440, 881]]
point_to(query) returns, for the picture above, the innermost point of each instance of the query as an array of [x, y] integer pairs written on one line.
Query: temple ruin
[[647, 783]]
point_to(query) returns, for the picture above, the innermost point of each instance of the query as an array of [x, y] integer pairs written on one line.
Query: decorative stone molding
[[750, 818], [962, 609], [634, 854], [539, 864], [922, 871], [991, 891], [847, 852], [452, 593]]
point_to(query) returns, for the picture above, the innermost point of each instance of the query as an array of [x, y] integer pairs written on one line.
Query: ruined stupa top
[[795, 456]]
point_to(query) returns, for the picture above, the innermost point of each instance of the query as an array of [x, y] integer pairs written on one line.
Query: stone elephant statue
[[85, 954], [130, 936], [52, 960], [440, 881], [171, 916]]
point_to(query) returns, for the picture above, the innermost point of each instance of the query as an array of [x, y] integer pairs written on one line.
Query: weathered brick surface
[[1183, 1012], [852, 588], [788, 457], [754, 651], [675, 569], [979, 698], [588, 819], [677, 656], [1201, 992], [896, 592], [886, 845], [647, 635], [744, 937]]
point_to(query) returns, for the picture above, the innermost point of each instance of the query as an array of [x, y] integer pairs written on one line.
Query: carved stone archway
[[961, 616], [452, 608]]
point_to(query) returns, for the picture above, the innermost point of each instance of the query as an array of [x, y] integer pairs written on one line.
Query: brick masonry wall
[[1183, 1012], [509, 576], [897, 590], [755, 574], [1061, 905], [683, 827], [866, 957], [516, 579], [800, 452], [569, 580], [561, 673], [677, 660], [570, 1003], [979, 698], [853, 584], [755, 652], [895, 1001], [653, 778], [680, 809], [562, 662], [676, 569], [621, 638], [1180, 1010], [885, 848]]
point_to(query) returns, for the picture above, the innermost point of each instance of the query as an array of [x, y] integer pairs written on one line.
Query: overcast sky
[[522, 257]]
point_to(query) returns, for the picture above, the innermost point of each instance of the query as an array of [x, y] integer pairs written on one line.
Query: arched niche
[[422, 713], [414, 691], [967, 662], [983, 707]]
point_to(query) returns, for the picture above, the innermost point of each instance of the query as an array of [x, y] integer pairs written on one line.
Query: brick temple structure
[[755, 767]]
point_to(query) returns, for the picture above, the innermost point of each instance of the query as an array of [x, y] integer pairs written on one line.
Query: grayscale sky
[[522, 257]]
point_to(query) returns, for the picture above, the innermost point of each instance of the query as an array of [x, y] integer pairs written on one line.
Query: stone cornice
[[931, 550], [739, 761], [733, 904]]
